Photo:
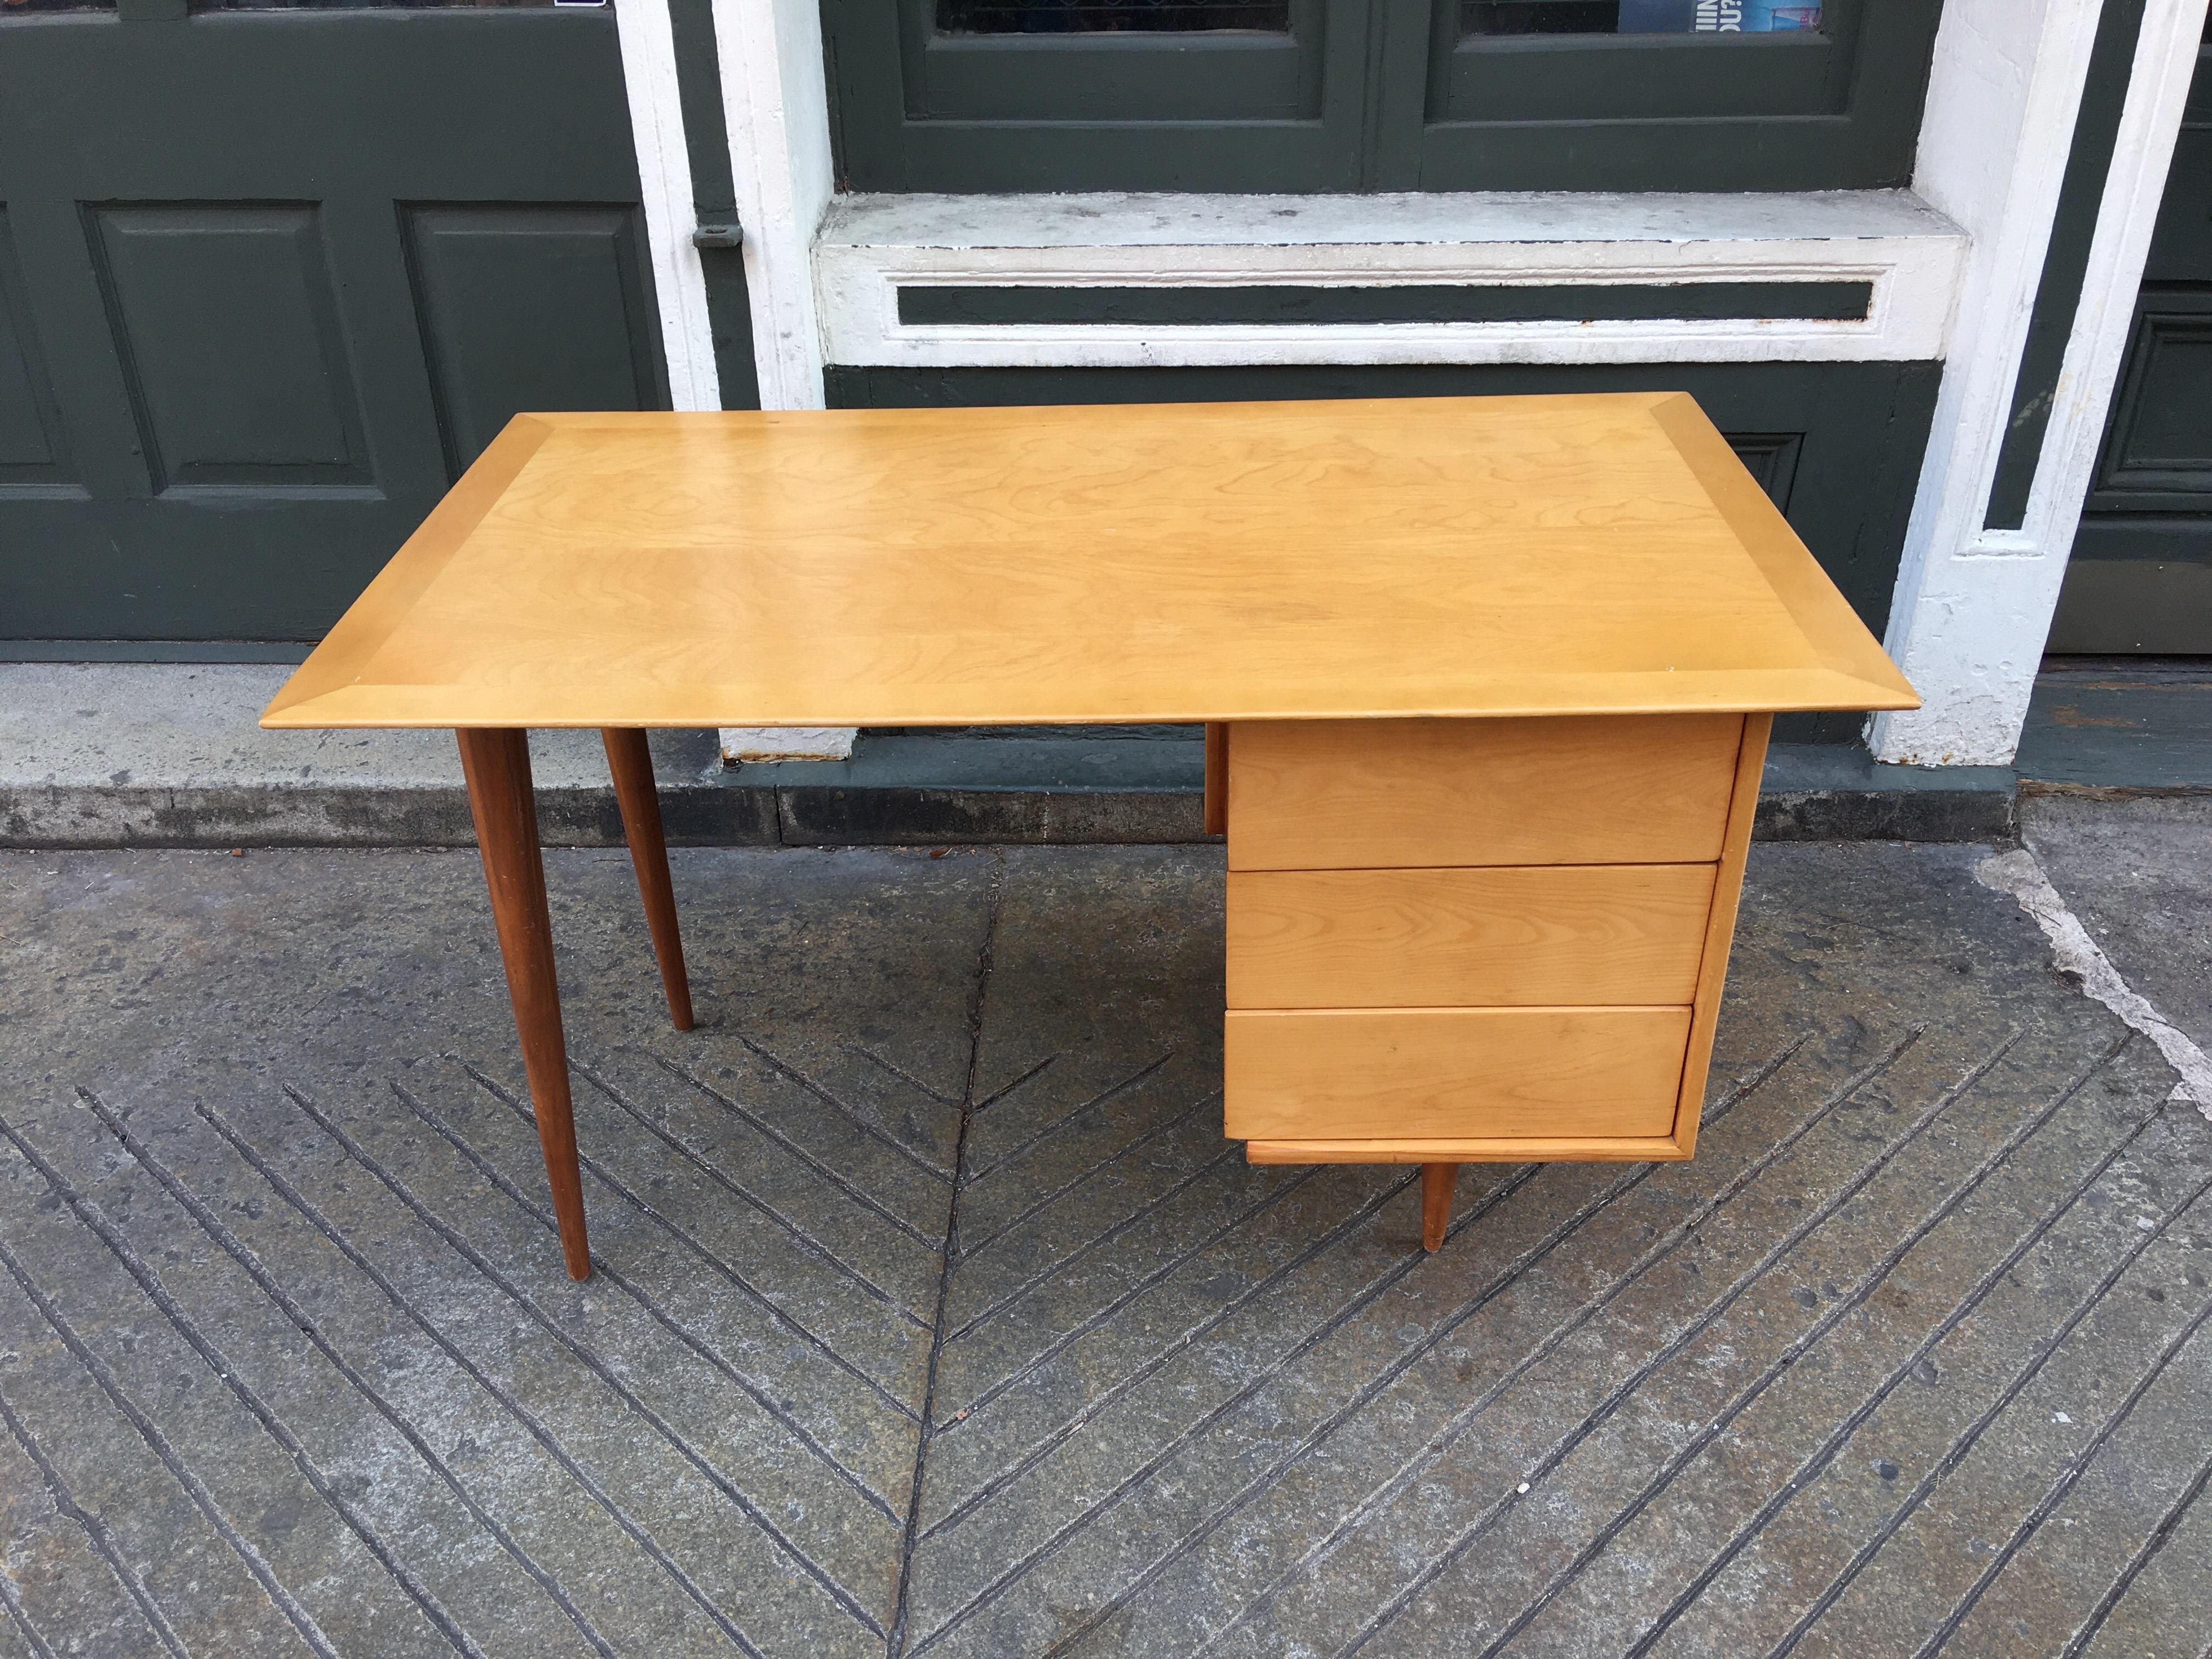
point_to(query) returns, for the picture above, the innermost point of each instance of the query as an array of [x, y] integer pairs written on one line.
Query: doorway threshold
[[2118, 727]]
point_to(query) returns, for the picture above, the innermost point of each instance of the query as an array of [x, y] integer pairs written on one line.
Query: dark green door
[[2141, 580], [269, 279]]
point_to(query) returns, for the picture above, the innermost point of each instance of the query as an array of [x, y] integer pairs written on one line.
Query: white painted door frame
[[664, 178], [1973, 606], [776, 106]]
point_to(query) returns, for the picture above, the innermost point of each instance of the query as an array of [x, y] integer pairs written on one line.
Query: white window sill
[[870, 246]]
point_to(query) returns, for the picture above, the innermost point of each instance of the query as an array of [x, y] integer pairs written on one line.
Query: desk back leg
[[1217, 777], [496, 763], [1437, 1181], [631, 763]]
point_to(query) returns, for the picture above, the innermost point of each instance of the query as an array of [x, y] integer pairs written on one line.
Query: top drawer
[[1399, 793]]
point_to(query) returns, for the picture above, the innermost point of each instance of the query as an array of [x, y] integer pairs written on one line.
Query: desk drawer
[[1395, 1074], [1577, 789], [1392, 938]]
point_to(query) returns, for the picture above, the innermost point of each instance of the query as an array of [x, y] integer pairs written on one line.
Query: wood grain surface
[[1385, 939], [1190, 562], [1361, 794], [1444, 1073]]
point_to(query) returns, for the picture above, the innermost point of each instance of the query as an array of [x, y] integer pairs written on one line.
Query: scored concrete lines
[[290, 1363]]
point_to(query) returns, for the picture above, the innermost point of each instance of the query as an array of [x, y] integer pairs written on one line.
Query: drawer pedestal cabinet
[[1486, 685], [1455, 941]]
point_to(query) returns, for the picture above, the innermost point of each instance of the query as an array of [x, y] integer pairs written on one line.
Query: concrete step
[[113, 754], [2119, 726]]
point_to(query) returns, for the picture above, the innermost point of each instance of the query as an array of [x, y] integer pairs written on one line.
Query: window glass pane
[[368, 5], [16, 7], [1637, 16], [1108, 16]]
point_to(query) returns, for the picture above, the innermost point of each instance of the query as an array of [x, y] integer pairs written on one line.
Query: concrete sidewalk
[[935, 1316]]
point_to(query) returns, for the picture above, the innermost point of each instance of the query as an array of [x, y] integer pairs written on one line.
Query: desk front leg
[[496, 762]]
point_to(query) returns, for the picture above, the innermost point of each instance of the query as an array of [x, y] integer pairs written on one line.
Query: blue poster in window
[[1717, 16]]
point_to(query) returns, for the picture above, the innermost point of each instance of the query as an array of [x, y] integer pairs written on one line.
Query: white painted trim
[[870, 246], [664, 176], [776, 105], [1973, 606]]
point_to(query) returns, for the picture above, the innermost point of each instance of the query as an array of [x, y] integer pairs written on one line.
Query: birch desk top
[[1190, 562]]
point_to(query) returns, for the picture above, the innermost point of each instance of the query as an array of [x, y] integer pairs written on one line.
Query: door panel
[[484, 280], [228, 327], [2158, 453], [30, 429], [269, 281], [2141, 577], [2148, 593]]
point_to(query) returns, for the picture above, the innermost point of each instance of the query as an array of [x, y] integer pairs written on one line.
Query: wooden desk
[[1486, 684]]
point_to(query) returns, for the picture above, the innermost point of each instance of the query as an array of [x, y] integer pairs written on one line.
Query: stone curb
[[762, 812]]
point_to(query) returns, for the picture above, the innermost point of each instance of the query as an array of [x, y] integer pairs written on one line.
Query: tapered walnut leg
[[631, 763], [1438, 1180], [497, 765], [1217, 777]]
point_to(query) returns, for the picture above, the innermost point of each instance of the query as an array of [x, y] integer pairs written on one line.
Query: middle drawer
[[1536, 935]]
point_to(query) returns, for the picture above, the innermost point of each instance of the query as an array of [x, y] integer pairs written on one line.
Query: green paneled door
[[2141, 579], [269, 279]]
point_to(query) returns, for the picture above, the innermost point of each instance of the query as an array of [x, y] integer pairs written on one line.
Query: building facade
[[272, 283]]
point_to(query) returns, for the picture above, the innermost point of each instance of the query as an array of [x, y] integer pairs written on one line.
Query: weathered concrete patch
[[2079, 957]]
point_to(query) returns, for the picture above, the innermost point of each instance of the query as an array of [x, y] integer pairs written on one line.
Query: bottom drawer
[[1398, 1074]]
